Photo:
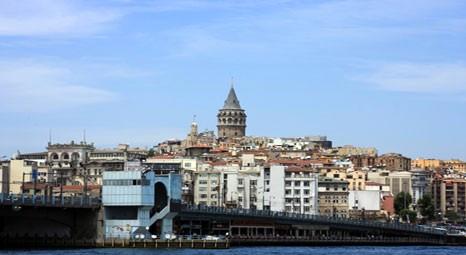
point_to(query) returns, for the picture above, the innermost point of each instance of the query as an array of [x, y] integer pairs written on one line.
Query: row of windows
[[297, 183], [297, 192], [335, 201], [333, 197], [205, 182], [335, 188], [296, 200], [297, 209], [143, 182], [201, 189], [204, 196]]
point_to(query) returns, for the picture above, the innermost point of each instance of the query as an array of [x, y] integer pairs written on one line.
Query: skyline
[[384, 74]]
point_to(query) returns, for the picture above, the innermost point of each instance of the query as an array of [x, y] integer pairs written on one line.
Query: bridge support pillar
[[167, 227]]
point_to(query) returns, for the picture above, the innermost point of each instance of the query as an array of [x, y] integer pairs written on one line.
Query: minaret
[[192, 137], [231, 119]]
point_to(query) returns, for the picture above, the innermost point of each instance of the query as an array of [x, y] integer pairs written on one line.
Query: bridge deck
[[49, 201], [206, 211]]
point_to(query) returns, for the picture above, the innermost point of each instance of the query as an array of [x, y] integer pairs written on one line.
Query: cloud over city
[[418, 77], [28, 85], [52, 18]]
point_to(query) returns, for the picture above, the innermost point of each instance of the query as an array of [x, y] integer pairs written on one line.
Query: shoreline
[[57, 243]]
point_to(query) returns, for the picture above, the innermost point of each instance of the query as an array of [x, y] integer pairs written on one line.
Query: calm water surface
[[262, 250]]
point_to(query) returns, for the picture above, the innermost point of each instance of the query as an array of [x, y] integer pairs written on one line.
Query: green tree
[[402, 201], [426, 207], [452, 216], [406, 213], [151, 152]]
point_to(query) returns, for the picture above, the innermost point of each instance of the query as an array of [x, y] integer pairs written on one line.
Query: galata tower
[[231, 119]]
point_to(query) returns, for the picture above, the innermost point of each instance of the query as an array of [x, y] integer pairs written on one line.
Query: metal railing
[[310, 218], [49, 201]]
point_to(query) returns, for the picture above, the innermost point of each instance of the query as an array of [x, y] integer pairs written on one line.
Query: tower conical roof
[[232, 101]]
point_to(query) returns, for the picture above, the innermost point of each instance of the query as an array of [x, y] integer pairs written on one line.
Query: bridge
[[74, 218], [26, 200], [194, 211], [24, 216]]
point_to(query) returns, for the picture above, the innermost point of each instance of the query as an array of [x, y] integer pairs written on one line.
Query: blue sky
[[388, 74]]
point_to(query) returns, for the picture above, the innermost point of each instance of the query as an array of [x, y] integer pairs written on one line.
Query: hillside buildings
[[305, 175]]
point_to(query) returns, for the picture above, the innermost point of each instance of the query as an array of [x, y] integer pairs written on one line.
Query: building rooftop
[[232, 102]]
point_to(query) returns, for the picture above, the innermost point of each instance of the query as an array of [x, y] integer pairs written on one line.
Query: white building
[[288, 190], [368, 200]]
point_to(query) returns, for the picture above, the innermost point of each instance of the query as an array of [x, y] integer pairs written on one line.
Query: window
[[240, 181], [306, 184], [297, 183]]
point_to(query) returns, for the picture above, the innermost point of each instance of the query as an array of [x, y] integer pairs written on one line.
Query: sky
[[389, 74]]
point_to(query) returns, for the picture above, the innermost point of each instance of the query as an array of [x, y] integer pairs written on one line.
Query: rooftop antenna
[[232, 81], [194, 118], [84, 135], [50, 136]]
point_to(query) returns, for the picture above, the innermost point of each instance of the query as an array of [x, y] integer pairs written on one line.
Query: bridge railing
[[54, 201], [308, 217]]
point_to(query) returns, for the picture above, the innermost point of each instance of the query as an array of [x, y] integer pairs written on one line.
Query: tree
[[402, 201], [426, 207], [452, 216], [406, 213], [151, 152]]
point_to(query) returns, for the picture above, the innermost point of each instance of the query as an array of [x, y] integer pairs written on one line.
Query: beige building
[[349, 150], [400, 182], [455, 164], [356, 179], [20, 170], [449, 195], [393, 162], [425, 164], [333, 197], [4, 174], [396, 181], [207, 188]]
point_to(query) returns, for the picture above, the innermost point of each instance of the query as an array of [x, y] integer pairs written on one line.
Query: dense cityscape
[[227, 168], [200, 127]]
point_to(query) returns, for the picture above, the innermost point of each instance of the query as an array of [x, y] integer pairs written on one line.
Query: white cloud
[[29, 86], [418, 77], [52, 17], [292, 23]]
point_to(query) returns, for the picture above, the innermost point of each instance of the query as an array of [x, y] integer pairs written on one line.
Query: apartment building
[[289, 189], [333, 197]]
